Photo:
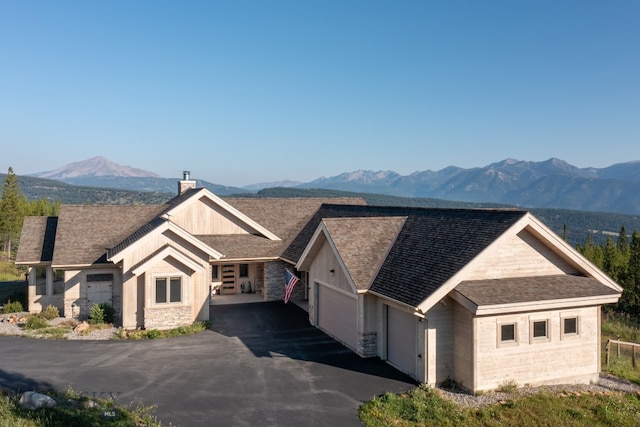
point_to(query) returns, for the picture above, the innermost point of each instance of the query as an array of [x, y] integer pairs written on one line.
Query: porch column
[[49, 271]]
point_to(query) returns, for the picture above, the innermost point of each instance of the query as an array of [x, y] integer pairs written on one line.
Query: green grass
[[423, 406], [616, 326], [73, 409]]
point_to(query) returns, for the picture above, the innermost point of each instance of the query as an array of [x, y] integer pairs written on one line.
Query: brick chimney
[[186, 183]]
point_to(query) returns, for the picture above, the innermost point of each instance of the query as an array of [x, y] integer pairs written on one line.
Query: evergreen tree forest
[[620, 259], [14, 206]]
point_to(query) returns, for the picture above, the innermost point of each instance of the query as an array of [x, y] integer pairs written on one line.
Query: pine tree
[[632, 284], [11, 214], [623, 241]]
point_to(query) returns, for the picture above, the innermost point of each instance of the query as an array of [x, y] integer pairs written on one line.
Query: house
[[480, 297], [157, 265]]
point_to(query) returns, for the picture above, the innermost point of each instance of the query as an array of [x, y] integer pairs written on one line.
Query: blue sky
[[241, 92]]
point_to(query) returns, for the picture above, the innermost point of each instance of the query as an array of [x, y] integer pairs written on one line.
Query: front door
[[228, 279]]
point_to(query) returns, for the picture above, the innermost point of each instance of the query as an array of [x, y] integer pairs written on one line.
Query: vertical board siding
[[463, 347]]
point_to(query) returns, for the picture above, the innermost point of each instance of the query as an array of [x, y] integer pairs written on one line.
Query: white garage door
[[337, 315], [401, 340], [99, 292]]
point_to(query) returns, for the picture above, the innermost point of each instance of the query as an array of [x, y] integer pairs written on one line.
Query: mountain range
[[553, 183]]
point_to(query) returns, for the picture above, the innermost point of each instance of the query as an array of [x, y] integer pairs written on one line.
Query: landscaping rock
[[82, 327], [32, 400]]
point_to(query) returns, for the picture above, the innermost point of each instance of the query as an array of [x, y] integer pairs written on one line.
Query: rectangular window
[[175, 292], [41, 281], [244, 270], [161, 290], [101, 277], [168, 290], [58, 282], [215, 272], [539, 330]]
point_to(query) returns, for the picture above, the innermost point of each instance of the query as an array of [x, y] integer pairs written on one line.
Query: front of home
[[158, 265], [480, 297]]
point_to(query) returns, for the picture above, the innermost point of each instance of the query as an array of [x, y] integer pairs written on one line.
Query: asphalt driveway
[[260, 364]]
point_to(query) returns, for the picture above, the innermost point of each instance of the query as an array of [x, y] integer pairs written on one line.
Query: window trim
[[168, 279], [506, 343], [542, 339], [571, 335]]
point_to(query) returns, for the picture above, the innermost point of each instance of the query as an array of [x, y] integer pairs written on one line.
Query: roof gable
[[361, 244]]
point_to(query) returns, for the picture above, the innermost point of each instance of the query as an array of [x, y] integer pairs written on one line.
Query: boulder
[[33, 400], [82, 327]]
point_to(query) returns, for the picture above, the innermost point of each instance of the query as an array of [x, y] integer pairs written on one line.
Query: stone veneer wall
[[167, 317], [274, 280], [368, 344]]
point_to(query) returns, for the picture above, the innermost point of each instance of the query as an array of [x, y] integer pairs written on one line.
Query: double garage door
[[337, 315]]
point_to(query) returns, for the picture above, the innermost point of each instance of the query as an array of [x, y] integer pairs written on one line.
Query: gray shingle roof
[[431, 247], [362, 243], [37, 240], [528, 289], [85, 232]]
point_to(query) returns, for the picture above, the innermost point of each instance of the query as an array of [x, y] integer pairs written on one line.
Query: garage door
[[401, 340], [337, 315]]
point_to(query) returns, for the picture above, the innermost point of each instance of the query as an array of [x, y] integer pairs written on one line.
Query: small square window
[[540, 330], [508, 332]]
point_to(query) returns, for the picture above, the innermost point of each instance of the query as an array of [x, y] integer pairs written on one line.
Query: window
[[539, 330], [244, 270], [41, 281], [168, 290], [102, 277], [570, 326], [215, 272], [507, 334]]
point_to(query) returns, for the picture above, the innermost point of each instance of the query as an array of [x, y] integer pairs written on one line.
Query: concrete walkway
[[260, 365]]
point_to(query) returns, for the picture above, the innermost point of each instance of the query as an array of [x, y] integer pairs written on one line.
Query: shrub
[[101, 313], [36, 321], [50, 313], [12, 307]]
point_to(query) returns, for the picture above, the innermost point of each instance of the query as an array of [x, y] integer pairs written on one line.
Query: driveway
[[260, 364]]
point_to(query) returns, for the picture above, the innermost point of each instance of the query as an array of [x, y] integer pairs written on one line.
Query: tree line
[[620, 259], [14, 206]]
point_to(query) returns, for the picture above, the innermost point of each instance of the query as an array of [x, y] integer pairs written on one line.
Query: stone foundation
[[368, 344], [167, 317]]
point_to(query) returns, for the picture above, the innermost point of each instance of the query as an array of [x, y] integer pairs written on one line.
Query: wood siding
[[523, 256], [556, 360], [205, 217], [463, 354], [439, 342], [323, 263]]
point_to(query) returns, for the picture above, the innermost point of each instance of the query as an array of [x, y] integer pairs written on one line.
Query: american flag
[[292, 281]]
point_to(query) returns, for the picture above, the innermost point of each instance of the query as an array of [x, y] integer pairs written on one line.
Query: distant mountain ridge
[[553, 183]]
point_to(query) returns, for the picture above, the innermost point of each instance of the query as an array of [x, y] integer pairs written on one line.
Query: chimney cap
[[185, 175]]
